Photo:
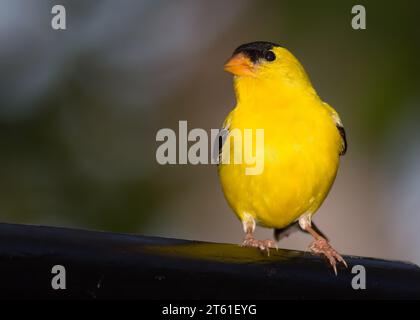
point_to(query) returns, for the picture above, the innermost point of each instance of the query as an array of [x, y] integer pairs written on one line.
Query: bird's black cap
[[255, 50]]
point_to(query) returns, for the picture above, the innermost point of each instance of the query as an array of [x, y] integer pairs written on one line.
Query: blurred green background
[[80, 108]]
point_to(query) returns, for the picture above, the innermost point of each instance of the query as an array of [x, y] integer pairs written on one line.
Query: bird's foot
[[321, 246], [263, 245]]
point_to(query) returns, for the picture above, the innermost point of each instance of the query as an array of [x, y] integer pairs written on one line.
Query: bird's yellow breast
[[301, 158]]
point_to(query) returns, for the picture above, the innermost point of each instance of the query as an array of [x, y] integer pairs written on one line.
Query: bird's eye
[[269, 56]]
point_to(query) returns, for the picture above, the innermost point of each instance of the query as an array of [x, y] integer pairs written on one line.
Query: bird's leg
[[320, 245], [249, 228]]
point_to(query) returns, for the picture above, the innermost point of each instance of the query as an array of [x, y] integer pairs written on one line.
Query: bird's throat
[[255, 91]]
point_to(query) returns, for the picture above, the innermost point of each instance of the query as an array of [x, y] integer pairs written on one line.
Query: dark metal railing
[[105, 265]]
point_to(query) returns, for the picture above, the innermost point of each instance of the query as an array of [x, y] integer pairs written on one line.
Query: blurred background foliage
[[80, 108]]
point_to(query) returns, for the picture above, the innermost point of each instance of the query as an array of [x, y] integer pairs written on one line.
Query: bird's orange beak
[[240, 65]]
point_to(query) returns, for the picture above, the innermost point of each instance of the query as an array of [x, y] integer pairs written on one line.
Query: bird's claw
[[321, 246], [263, 245]]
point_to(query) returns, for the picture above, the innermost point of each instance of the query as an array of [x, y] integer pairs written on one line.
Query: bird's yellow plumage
[[302, 142]]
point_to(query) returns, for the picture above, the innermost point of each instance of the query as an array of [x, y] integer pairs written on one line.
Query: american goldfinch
[[303, 141]]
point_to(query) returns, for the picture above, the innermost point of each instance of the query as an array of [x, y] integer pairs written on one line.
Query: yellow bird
[[303, 140]]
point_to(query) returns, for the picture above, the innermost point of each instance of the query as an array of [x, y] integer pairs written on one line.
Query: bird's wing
[[221, 138], [340, 128], [343, 139], [287, 231]]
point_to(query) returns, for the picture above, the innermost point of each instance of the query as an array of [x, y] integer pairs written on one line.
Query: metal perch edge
[[102, 265]]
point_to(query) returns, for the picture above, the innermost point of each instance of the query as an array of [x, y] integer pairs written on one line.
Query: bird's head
[[266, 65]]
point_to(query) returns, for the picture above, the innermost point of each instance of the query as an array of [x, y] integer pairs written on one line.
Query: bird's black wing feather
[[343, 139], [285, 232], [218, 146]]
